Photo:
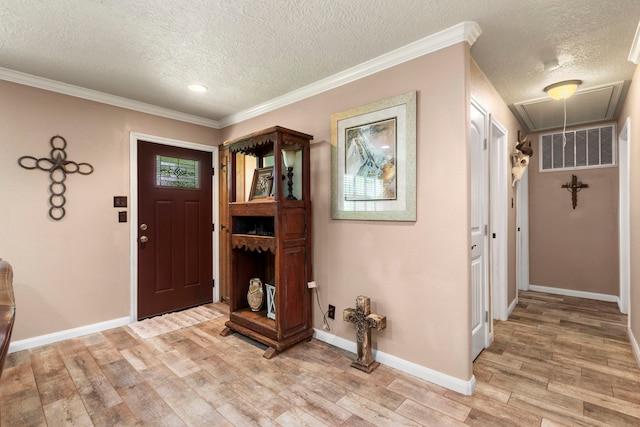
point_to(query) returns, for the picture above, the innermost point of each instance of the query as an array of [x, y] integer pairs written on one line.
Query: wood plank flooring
[[558, 361]]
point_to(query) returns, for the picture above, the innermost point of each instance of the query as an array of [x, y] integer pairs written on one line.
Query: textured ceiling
[[248, 52]]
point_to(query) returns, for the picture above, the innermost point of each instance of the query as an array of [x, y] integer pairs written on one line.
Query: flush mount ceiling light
[[196, 87], [563, 90]]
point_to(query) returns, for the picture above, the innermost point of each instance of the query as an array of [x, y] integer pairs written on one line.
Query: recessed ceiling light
[[195, 87]]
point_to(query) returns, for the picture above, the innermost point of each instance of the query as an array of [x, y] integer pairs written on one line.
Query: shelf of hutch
[[270, 237], [253, 243]]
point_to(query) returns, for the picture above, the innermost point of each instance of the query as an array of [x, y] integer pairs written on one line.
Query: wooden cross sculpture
[[364, 320], [574, 187]]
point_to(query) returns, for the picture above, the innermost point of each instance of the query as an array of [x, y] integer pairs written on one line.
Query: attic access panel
[[588, 106]]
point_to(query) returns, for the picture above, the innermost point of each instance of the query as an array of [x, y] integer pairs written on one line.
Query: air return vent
[[592, 147]]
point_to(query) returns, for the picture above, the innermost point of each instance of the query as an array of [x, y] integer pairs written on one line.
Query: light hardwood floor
[[558, 361]]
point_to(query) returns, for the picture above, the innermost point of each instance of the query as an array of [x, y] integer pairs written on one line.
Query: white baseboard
[[634, 346], [67, 334], [572, 293], [512, 306], [444, 380], [623, 310]]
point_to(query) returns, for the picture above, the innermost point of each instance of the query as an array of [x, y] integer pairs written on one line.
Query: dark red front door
[[174, 229]]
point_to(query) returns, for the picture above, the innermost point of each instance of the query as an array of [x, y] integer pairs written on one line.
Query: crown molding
[[463, 32], [634, 54], [101, 97]]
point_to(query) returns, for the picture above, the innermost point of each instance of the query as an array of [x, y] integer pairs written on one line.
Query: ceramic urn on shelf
[[255, 296]]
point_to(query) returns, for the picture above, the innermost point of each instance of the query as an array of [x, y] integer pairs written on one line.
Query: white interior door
[[625, 222], [522, 232], [498, 177], [479, 240]]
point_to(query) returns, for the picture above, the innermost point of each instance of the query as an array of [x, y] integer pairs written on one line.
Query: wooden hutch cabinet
[[270, 237]]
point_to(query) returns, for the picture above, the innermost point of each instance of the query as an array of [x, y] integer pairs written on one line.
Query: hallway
[[563, 358]]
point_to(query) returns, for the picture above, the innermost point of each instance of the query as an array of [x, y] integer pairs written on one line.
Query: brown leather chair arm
[[7, 310]]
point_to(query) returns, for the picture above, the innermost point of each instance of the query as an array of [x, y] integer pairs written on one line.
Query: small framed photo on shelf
[[262, 183]]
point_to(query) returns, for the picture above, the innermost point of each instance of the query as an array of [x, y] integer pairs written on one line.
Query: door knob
[[144, 239], [143, 227]]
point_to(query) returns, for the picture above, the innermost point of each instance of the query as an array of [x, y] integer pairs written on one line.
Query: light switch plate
[[119, 201]]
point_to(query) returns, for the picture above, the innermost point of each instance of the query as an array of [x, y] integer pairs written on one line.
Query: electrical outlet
[[312, 284], [331, 313]]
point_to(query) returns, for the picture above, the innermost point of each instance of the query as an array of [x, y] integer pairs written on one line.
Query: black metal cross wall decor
[[574, 186], [58, 167]]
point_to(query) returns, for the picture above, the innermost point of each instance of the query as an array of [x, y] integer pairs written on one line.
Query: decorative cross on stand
[[574, 187], [364, 320], [58, 167]]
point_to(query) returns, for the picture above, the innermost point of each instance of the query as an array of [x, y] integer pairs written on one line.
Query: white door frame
[[624, 209], [133, 209], [498, 199], [522, 234]]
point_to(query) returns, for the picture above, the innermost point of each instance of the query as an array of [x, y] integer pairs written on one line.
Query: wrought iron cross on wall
[[58, 167], [574, 186]]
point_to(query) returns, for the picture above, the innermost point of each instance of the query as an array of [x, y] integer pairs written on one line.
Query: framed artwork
[[262, 183], [373, 161]]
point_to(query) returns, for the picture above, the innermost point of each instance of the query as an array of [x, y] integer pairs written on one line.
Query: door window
[[177, 172]]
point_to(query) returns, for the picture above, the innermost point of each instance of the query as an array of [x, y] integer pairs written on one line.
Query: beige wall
[[632, 109], [76, 272], [73, 272], [416, 273], [484, 92], [573, 249]]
